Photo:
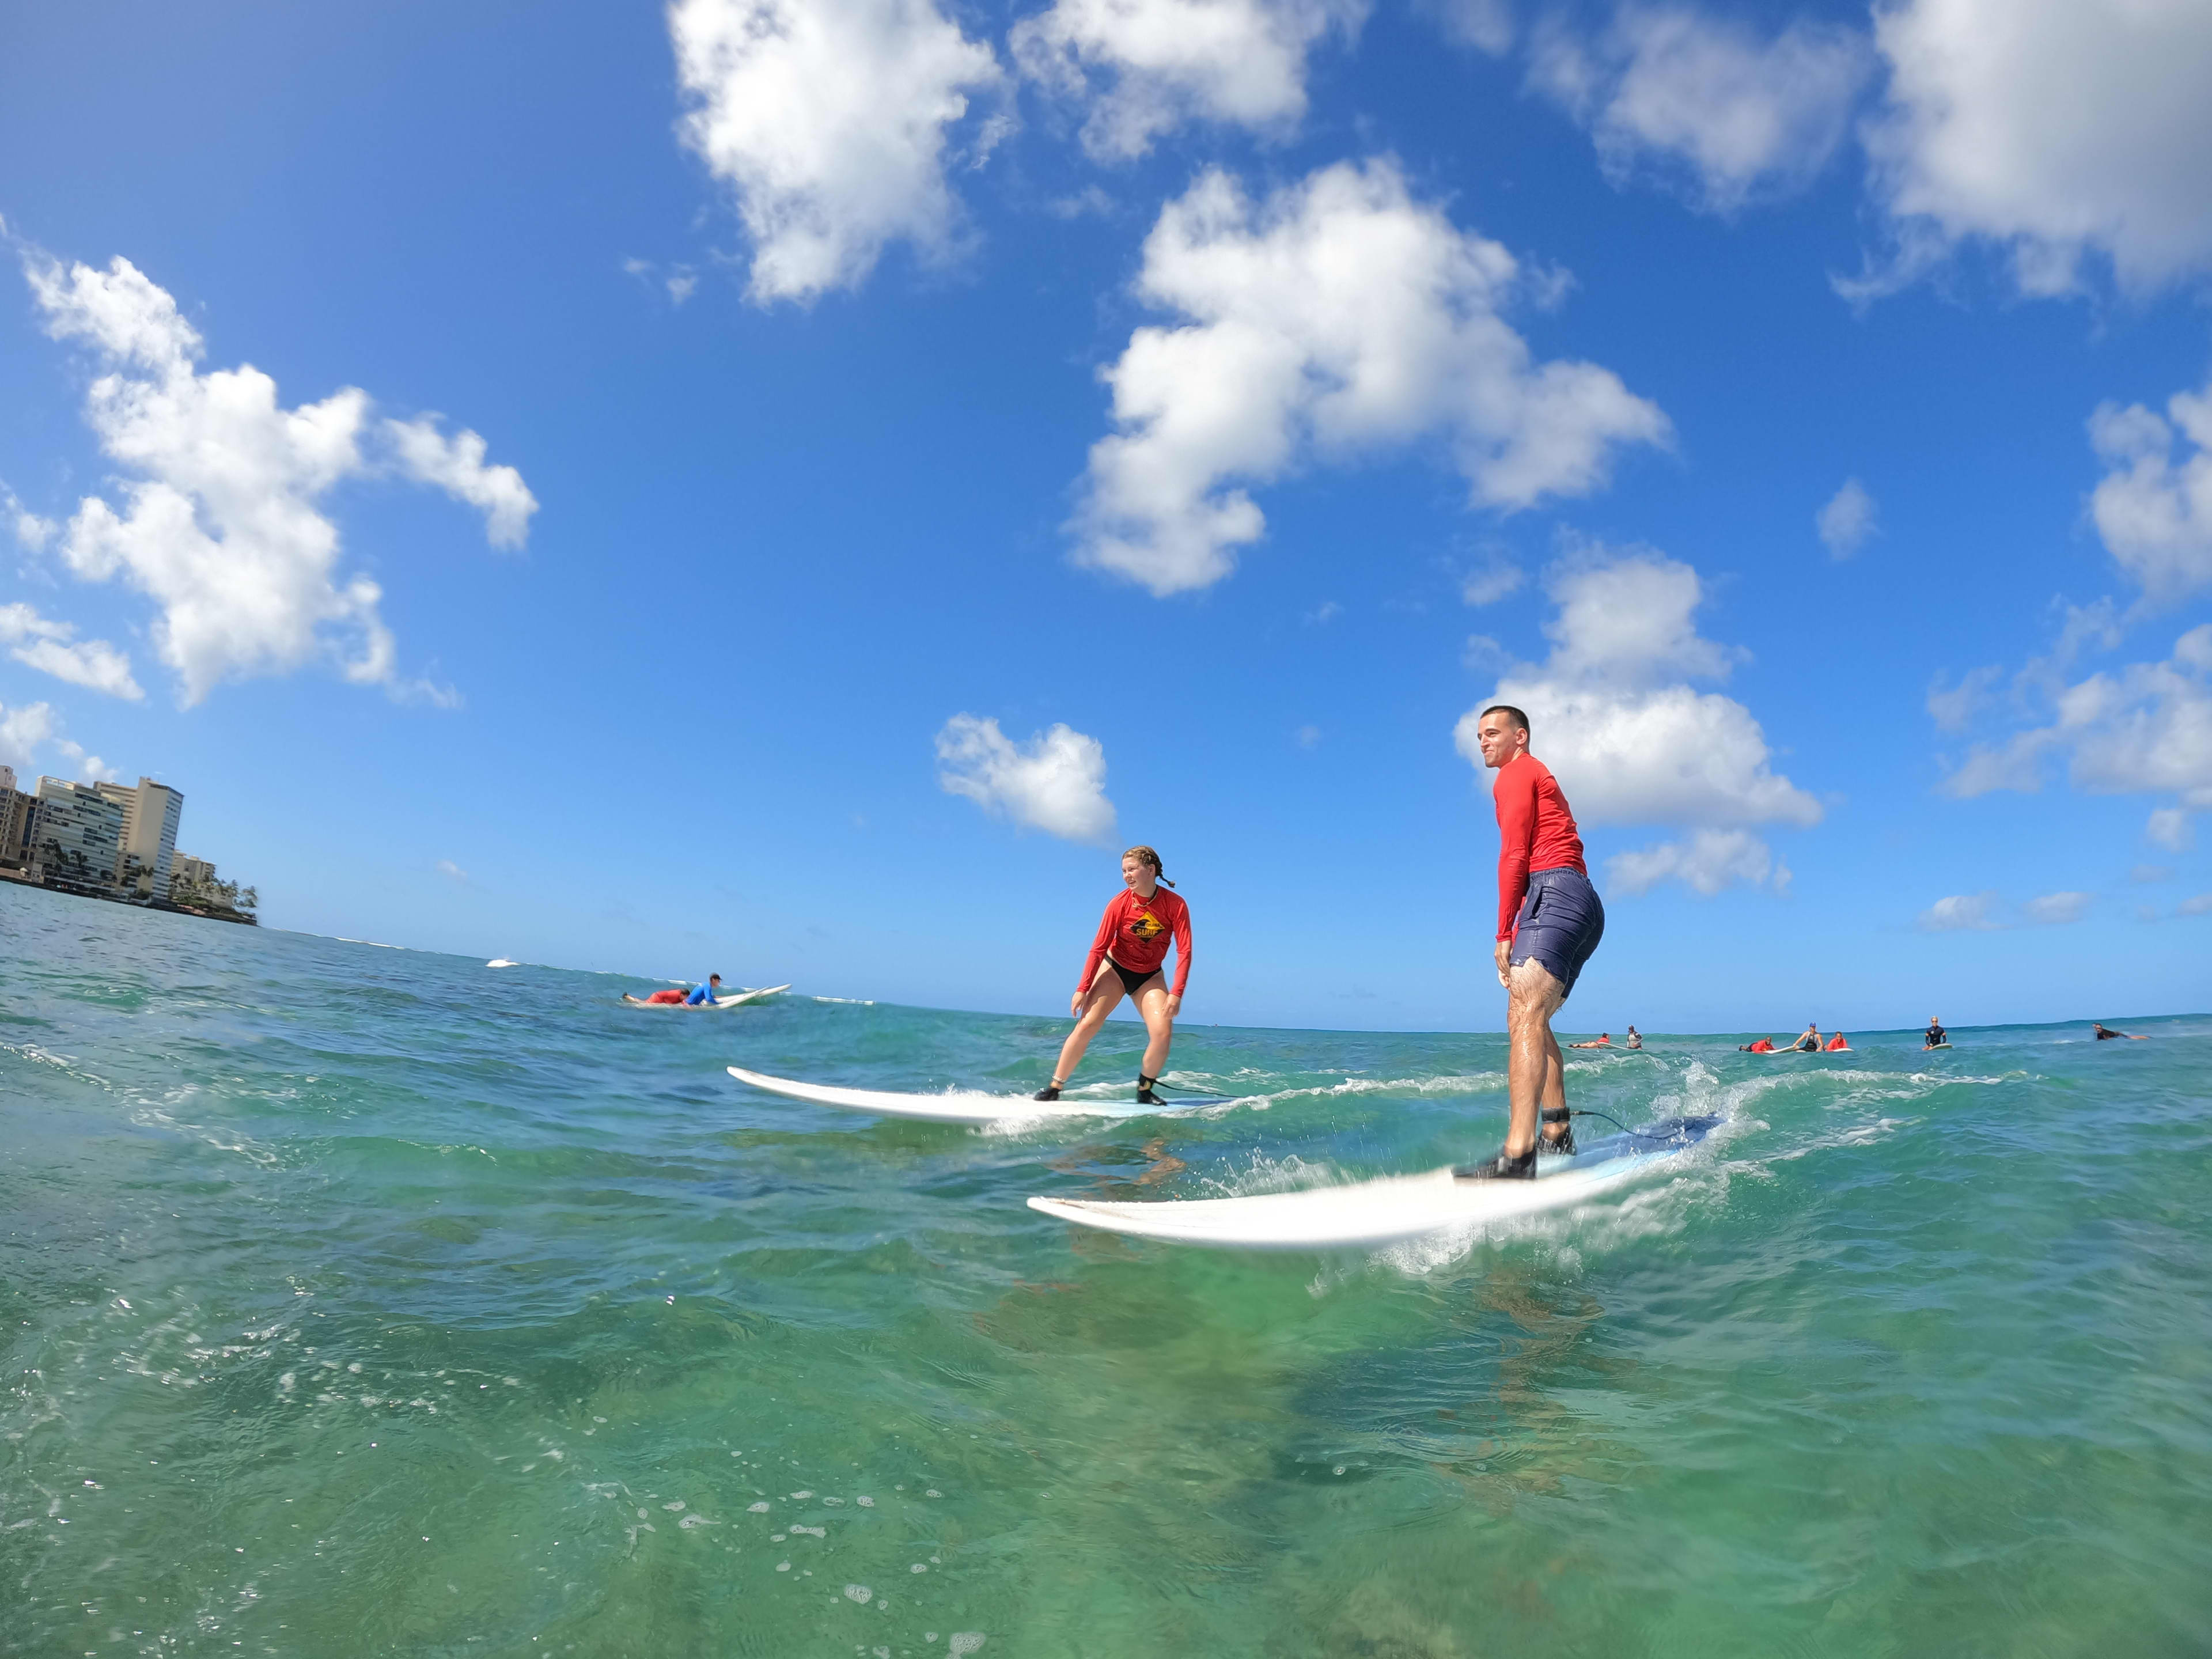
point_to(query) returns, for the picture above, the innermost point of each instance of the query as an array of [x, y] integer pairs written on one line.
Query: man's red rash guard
[[1137, 931], [1535, 831]]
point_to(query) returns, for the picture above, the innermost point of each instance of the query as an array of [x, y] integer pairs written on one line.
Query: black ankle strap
[[1555, 1115]]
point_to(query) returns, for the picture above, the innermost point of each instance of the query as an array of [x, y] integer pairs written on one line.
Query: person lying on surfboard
[[1549, 921], [1836, 1045], [1763, 1046], [705, 992], [1603, 1039], [1125, 960], [2105, 1034]]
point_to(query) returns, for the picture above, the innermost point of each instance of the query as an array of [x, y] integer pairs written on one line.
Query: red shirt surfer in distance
[[1126, 958]]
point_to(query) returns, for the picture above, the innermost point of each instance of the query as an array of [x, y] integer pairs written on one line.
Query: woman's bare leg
[[1159, 1025], [1105, 996]]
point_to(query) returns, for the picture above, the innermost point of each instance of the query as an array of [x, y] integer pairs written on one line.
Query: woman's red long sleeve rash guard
[[1535, 831], [1137, 931]]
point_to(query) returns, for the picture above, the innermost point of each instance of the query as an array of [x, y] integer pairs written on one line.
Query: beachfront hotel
[[107, 840]]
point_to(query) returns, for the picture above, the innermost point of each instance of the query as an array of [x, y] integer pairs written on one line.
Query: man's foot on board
[[1050, 1091], [1562, 1144], [1144, 1095], [1504, 1167]]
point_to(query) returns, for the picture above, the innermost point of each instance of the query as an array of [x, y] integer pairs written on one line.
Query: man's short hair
[[1509, 711]]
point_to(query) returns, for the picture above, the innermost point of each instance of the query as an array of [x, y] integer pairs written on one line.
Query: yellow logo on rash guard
[[1146, 926]]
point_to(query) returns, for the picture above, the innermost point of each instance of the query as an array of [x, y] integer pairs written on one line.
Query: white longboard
[[735, 999], [959, 1106], [1373, 1214]]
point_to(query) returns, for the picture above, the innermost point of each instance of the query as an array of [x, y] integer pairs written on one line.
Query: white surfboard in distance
[[969, 1106], [735, 999], [1371, 1214]]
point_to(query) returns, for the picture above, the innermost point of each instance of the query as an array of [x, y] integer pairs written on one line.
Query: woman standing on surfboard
[[1125, 960]]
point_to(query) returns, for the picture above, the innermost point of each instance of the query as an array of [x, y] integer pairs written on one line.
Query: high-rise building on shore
[[16, 811], [151, 814], [78, 835]]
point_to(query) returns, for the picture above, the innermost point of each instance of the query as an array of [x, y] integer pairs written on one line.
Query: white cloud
[[1488, 583], [448, 867], [28, 726], [1705, 102], [1309, 736], [1961, 913], [2155, 511], [2170, 827], [1486, 25], [1324, 613], [456, 466], [2143, 874], [2145, 729], [2055, 910], [1055, 782], [1848, 521], [2199, 906], [831, 120], [1953, 708], [1163, 62], [220, 524], [1630, 742], [1339, 317], [52, 648], [1710, 860], [2052, 128], [31, 531]]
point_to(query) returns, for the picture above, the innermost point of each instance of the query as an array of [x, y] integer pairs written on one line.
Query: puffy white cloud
[[2199, 906], [2052, 128], [2144, 729], [2055, 910], [2153, 508], [28, 726], [830, 120], [1055, 782], [1961, 913], [1337, 318], [456, 466], [1848, 521], [221, 522], [1486, 25], [1163, 63], [1705, 102], [1707, 862], [52, 648], [1630, 742]]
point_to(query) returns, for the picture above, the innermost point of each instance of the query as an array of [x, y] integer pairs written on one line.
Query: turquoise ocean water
[[363, 1301]]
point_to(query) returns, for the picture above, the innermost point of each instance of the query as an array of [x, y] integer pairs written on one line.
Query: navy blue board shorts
[[1560, 923]]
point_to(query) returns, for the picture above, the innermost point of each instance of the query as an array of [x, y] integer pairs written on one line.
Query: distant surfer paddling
[[706, 991], [1549, 921], [2105, 1034], [1938, 1038], [1125, 960]]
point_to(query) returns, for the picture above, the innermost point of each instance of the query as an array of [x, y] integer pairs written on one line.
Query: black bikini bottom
[[1132, 981]]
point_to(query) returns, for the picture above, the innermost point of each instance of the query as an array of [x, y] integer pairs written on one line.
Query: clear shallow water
[[366, 1301]]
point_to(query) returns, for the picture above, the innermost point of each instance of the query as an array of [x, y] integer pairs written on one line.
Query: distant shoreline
[[75, 890]]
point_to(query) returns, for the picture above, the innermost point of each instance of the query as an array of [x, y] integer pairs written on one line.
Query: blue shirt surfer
[[706, 993]]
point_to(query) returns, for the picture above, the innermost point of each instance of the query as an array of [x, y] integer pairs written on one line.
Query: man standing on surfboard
[[1549, 921], [1125, 958]]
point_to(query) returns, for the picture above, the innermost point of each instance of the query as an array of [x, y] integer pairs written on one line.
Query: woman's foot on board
[[1050, 1091], [1144, 1095]]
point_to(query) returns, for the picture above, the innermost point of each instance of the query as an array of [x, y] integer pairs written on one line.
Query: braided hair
[[1147, 855]]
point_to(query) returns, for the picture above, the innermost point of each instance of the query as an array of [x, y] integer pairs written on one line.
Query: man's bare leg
[[1555, 1088], [1533, 1068]]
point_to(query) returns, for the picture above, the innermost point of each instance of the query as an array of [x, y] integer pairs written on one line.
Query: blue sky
[[1250, 388]]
